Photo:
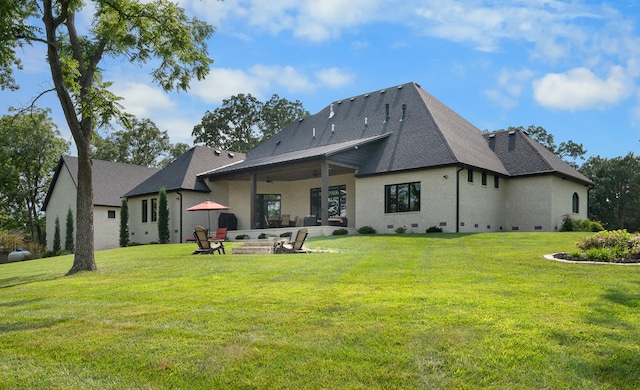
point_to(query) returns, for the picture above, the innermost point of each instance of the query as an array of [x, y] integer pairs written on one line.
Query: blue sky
[[572, 67]]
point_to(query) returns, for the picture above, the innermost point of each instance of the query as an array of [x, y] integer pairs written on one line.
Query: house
[[110, 181], [398, 157], [184, 189]]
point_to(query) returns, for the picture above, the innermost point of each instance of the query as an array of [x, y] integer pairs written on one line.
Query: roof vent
[[333, 127], [300, 120], [339, 101], [366, 95], [366, 121], [352, 99], [493, 135], [278, 143], [387, 116], [400, 86], [217, 152], [331, 113], [231, 155], [314, 133], [383, 91], [512, 132]]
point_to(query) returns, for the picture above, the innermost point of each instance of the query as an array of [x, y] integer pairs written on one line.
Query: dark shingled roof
[[523, 156], [406, 128], [111, 180], [182, 173]]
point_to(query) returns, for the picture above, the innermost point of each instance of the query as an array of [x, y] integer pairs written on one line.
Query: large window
[[575, 207], [337, 201], [145, 210], [154, 209], [268, 209], [400, 198]]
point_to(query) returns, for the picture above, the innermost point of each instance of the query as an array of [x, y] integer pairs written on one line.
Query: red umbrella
[[208, 205]]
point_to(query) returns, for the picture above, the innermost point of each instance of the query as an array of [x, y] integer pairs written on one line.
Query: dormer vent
[[331, 113]]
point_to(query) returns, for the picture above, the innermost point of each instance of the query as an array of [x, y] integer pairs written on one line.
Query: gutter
[[458, 198], [180, 193]]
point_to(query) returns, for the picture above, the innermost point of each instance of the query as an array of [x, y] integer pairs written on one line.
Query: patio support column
[[252, 202], [324, 190]]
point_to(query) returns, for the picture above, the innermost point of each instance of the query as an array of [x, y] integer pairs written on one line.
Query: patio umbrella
[[208, 205]]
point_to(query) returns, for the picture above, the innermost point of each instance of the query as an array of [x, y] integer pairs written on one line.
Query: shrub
[[286, 234], [434, 229], [11, 242], [263, 236], [340, 232], [579, 225], [367, 230], [611, 245], [242, 237], [56, 236], [401, 230], [68, 240]]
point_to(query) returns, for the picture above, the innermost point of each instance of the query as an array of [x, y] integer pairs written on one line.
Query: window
[[496, 182], [470, 175], [575, 207], [337, 201], [111, 214], [268, 207], [400, 198], [154, 209], [484, 178], [145, 210]]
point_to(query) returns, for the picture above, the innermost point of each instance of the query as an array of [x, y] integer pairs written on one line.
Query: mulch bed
[[565, 256]]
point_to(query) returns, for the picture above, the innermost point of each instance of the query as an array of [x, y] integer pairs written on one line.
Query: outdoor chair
[[284, 221], [220, 237], [204, 246], [293, 222], [294, 246]]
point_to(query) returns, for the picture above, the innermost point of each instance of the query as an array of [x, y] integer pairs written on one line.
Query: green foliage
[[29, 153], [434, 229], [286, 234], [163, 217], [401, 230], [614, 200], [242, 122], [367, 230], [56, 236], [141, 143], [68, 239], [124, 223], [614, 245], [10, 242], [340, 232], [579, 225], [263, 236], [242, 237]]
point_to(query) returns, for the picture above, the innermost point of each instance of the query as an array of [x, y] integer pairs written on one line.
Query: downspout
[[458, 198], [180, 193]]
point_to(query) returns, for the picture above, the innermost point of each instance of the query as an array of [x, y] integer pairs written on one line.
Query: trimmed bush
[[613, 246], [340, 232], [286, 234], [242, 237], [434, 229], [367, 230], [401, 230]]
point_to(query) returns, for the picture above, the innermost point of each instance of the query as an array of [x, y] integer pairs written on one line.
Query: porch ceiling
[[291, 172]]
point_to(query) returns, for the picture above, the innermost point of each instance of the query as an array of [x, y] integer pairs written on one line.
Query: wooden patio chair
[[205, 247], [294, 246]]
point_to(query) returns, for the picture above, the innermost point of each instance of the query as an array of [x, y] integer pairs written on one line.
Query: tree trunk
[[83, 259]]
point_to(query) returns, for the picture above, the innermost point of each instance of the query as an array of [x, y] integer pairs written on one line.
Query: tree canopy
[[138, 31], [30, 149], [243, 121]]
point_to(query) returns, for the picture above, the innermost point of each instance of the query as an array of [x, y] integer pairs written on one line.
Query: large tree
[[614, 200], [243, 121], [135, 30], [30, 149], [141, 143]]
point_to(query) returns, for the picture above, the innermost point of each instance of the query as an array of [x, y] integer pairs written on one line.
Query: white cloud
[[580, 89], [334, 77], [142, 99], [509, 87], [262, 81]]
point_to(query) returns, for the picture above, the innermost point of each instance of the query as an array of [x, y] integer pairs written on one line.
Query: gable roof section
[[110, 180], [418, 132], [523, 156], [182, 173]]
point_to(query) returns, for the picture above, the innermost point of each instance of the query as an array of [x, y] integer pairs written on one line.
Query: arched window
[[575, 207]]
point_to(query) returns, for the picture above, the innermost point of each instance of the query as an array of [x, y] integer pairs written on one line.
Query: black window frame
[[393, 197], [470, 175], [575, 203], [145, 210], [111, 214], [337, 201], [154, 209], [496, 181], [484, 178]]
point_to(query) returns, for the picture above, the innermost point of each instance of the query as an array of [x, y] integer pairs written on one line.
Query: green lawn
[[386, 312]]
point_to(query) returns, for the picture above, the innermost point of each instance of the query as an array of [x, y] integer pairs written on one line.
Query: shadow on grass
[[30, 324], [18, 281]]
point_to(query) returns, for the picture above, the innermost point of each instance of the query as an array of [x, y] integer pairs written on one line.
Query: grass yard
[[384, 312]]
